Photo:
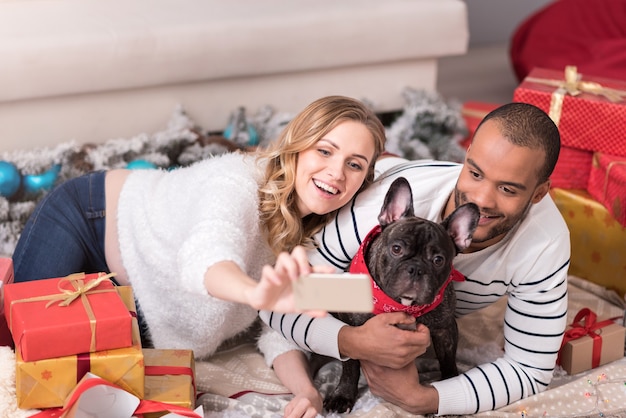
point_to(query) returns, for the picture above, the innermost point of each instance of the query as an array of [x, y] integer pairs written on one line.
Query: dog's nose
[[416, 271]]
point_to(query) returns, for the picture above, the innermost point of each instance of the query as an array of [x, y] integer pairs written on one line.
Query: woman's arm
[[292, 369], [226, 280]]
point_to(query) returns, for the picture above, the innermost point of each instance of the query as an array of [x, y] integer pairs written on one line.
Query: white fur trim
[[8, 399]]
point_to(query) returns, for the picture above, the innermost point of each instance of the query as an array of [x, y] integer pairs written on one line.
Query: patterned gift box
[[572, 169], [589, 111], [597, 239], [6, 276], [589, 343], [47, 383], [607, 184], [42, 314], [170, 378]]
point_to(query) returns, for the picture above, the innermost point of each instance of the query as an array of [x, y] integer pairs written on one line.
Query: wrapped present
[[47, 383], [589, 343], [170, 378], [473, 113], [572, 169], [42, 314], [597, 239], [6, 276], [590, 112], [607, 183]]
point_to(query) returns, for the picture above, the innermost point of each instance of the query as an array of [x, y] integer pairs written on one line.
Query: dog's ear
[[461, 225], [398, 202]]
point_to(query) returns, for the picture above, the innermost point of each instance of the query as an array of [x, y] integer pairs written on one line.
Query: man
[[520, 249]]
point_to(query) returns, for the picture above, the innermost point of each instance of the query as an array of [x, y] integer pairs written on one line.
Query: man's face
[[502, 179]]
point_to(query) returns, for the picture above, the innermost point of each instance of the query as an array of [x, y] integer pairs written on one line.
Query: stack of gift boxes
[[589, 188], [65, 330]]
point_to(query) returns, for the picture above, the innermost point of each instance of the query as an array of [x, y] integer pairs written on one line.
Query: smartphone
[[343, 292]]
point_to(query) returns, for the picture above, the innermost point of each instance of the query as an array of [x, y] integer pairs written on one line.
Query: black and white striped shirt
[[529, 265]]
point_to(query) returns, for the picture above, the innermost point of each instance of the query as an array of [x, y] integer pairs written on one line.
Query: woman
[[206, 246]]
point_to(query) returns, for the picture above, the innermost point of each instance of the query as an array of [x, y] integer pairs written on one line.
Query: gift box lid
[[589, 111]]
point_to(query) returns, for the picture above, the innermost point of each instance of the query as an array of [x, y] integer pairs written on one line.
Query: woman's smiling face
[[330, 172]]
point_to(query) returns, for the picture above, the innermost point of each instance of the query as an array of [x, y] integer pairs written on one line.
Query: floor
[[484, 74]]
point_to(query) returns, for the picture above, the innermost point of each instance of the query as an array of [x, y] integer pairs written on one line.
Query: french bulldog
[[410, 262]]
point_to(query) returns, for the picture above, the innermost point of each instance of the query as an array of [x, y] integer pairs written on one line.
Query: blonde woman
[[206, 246]]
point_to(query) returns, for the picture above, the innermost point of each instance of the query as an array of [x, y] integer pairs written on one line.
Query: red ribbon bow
[[585, 324]]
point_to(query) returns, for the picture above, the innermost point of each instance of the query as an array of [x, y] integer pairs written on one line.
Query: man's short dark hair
[[526, 125]]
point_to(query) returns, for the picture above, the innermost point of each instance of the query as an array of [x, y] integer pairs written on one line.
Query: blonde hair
[[278, 211]]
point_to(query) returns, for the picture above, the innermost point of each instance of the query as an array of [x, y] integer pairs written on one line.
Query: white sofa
[[90, 70]]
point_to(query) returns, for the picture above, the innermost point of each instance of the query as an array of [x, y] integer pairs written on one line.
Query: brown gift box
[[591, 344], [47, 383], [170, 378]]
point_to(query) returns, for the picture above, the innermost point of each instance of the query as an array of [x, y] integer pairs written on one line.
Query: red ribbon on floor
[[585, 324], [145, 406]]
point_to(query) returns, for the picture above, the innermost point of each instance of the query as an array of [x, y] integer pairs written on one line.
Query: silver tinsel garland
[[428, 127]]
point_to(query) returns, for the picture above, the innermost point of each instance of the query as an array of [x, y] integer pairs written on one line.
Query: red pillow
[[590, 34]]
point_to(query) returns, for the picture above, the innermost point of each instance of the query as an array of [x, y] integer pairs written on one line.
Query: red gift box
[[66, 316], [589, 111], [572, 168], [607, 184], [6, 276], [473, 113]]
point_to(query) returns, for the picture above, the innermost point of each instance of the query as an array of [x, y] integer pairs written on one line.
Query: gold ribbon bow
[[67, 296], [574, 85]]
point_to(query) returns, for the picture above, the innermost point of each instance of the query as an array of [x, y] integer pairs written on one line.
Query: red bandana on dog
[[382, 302]]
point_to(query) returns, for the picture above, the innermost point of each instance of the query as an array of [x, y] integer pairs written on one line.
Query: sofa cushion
[[63, 47]]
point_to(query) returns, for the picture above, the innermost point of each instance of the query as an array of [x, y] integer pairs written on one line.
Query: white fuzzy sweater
[[172, 227]]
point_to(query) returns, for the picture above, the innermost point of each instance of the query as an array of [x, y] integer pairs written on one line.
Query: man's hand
[[401, 387], [380, 341]]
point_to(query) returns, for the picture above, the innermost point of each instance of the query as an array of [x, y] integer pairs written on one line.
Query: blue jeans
[[65, 235]]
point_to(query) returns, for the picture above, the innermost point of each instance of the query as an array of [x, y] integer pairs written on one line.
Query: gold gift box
[[47, 383], [597, 239], [177, 385]]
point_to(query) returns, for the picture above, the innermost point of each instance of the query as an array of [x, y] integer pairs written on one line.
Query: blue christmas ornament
[[10, 179], [34, 183], [240, 131], [140, 165]]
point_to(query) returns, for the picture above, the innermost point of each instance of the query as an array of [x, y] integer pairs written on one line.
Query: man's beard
[[501, 227]]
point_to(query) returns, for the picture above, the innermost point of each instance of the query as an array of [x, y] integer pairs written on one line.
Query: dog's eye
[[396, 249], [438, 260]]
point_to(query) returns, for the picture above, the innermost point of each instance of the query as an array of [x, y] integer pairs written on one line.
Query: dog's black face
[[411, 261], [412, 257]]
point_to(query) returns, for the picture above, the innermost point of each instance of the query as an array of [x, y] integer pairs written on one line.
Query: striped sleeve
[[534, 322], [318, 335]]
